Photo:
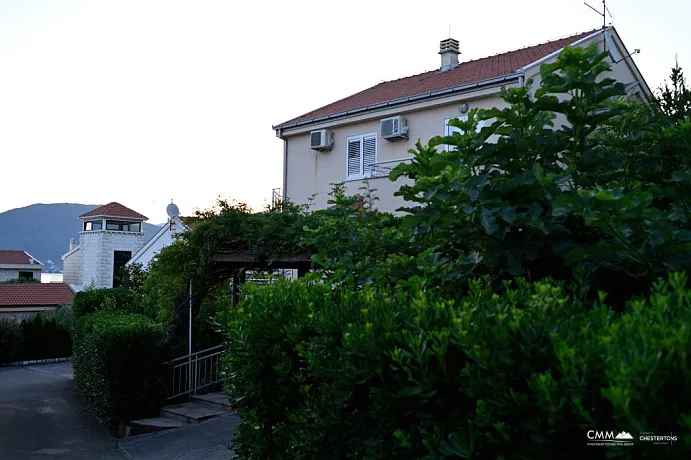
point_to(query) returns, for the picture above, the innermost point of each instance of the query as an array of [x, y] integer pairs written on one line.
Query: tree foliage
[[675, 100], [230, 226], [514, 305], [524, 197]]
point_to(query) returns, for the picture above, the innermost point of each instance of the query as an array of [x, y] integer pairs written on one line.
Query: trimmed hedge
[[324, 372], [118, 365], [119, 299], [11, 341], [46, 335], [45, 338]]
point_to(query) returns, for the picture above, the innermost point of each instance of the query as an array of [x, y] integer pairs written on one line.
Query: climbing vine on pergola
[[222, 245]]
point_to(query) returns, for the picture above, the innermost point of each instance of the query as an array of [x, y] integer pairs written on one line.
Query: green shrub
[[64, 318], [11, 341], [119, 299], [118, 365], [526, 197], [323, 372], [45, 338]]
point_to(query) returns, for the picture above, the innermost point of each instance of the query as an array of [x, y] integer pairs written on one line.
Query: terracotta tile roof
[[12, 257], [466, 73], [114, 210], [16, 294]]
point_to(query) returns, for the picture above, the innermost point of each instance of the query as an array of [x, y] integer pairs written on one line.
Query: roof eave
[[143, 218], [400, 101], [164, 228]]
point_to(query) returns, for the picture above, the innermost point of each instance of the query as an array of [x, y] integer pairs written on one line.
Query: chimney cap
[[449, 50], [449, 45]]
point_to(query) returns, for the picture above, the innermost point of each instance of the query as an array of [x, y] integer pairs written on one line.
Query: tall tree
[[675, 101]]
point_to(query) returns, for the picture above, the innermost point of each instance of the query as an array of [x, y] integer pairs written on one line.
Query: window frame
[[361, 138], [123, 226], [92, 222]]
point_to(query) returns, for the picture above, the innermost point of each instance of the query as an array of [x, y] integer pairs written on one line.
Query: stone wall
[[98, 250]]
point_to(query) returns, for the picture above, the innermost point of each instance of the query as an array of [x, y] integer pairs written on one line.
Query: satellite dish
[[172, 210]]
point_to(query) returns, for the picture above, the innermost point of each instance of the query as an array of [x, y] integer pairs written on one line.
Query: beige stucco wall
[[622, 71], [311, 173]]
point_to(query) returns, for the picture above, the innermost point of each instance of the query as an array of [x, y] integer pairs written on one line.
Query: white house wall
[[313, 173], [7, 275], [72, 268], [13, 273]]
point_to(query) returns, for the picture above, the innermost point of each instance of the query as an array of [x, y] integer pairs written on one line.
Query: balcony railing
[[383, 168]]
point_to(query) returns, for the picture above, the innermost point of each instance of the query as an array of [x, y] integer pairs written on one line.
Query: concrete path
[[41, 418], [207, 440]]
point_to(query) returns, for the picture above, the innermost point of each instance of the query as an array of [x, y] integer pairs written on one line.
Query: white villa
[[111, 237]]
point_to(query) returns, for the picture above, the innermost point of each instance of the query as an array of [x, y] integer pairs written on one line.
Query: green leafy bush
[[607, 193], [119, 299], [11, 341], [64, 318], [324, 372], [118, 365]]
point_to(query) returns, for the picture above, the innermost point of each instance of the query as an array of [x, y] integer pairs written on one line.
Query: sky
[[144, 101]]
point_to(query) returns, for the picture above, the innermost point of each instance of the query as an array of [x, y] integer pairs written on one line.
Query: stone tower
[[109, 236]]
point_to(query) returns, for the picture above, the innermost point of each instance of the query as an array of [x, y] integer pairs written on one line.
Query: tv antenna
[[604, 13]]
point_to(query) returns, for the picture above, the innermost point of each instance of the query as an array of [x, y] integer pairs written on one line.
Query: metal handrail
[[196, 371], [196, 353]]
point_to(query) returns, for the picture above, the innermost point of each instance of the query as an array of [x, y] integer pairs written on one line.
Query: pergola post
[[239, 277]]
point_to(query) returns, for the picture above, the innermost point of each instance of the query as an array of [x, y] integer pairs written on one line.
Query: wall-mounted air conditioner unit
[[321, 140], [394, 128]]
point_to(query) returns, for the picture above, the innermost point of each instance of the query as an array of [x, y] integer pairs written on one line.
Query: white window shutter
[[369, 154], [354, 158]]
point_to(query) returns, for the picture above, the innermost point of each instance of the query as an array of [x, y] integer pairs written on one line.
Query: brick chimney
[[73, 243], [449, 50]]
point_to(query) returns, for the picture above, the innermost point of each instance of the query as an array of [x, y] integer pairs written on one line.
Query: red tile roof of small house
[[34, 294], [466, 73], [13, 257], [114, 210]]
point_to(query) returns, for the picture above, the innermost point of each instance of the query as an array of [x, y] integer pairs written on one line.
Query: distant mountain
[[45, 230]]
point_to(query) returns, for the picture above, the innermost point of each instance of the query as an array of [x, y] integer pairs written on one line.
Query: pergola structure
[[236, 264]]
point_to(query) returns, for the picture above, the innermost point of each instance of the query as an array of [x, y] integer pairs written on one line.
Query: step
[[152, 425], [217, 400], [190, 412]]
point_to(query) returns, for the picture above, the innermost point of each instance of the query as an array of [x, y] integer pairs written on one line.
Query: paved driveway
[[41, 418]]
